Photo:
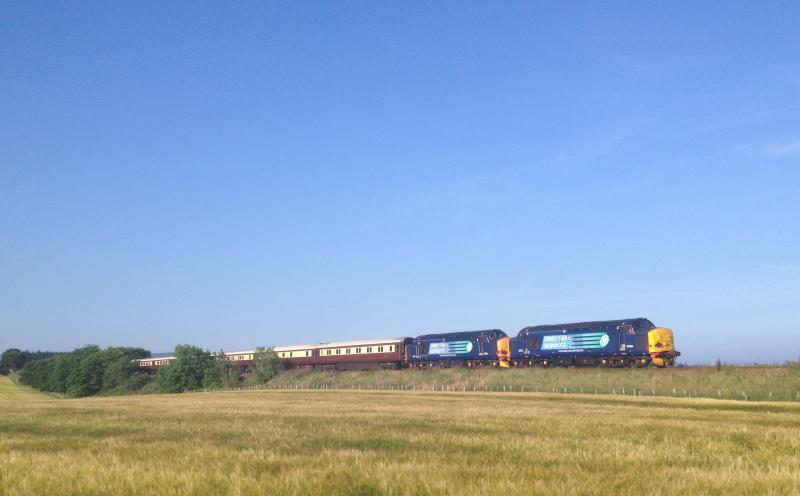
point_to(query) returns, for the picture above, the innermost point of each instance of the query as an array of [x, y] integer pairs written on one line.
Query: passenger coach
[[362, 355]]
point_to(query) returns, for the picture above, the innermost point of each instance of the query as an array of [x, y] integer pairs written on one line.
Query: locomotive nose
[[503, 354], [661, 347]]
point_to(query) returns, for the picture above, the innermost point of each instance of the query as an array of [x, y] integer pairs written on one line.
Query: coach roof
[[361, 342]]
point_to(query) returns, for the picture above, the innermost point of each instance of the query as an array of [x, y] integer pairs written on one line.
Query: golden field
[[394, 442]]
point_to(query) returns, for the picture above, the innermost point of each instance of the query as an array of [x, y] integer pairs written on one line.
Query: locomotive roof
[[639, 324], [463, 334]]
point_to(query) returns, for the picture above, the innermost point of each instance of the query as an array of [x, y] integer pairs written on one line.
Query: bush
[[267, 364]]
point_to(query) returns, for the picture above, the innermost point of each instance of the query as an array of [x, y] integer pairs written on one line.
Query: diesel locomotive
[[611, 343], [634, 342]]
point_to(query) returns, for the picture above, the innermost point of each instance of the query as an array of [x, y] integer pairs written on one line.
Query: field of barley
[[395, 442]]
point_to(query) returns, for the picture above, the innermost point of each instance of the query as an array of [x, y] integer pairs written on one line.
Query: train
[[633, 342]]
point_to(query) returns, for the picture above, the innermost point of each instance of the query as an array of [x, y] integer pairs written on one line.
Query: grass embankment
[[11, 390], [751, 383], [397, 442]]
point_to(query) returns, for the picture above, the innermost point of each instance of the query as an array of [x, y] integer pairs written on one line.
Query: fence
[[445, 388]]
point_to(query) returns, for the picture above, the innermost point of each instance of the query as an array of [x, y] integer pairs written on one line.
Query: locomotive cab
[[661, 346]]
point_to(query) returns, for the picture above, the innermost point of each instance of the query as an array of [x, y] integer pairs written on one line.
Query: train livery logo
[[450, 348], [589, 340]]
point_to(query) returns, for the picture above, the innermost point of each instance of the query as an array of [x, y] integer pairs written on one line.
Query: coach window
[[358, 350], [391, 349], [628, 329], [347, 351]]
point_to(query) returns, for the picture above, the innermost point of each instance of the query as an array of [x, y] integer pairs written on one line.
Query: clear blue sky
[[237, 174]]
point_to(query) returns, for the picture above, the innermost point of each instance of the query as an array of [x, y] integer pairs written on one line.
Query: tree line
[[90, 370], [86, 371], [14, 359]]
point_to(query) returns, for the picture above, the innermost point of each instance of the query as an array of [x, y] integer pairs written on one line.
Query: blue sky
[[238, 174]]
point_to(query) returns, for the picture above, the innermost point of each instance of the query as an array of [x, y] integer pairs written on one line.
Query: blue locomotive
[[628, 342], [456, 349]]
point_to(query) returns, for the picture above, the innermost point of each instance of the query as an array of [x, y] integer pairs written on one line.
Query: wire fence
[[721, 394]]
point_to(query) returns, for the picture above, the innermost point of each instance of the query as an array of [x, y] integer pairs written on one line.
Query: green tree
[[64, 365], [60, 367], [87, 378], [12, 360], [119, 365], [37, 374], [192, 369], [228, 373], [267, 364]]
